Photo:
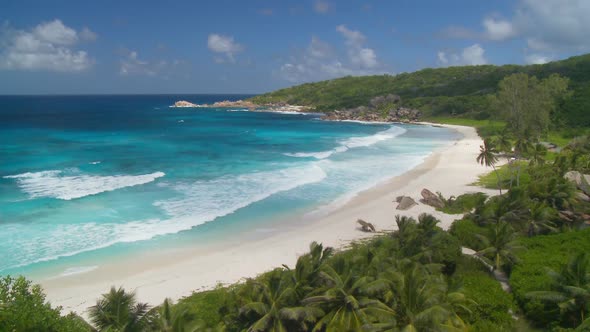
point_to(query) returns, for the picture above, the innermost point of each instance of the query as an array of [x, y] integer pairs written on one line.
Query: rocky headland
[[380, 109]]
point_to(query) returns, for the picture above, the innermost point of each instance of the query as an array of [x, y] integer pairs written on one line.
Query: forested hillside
[[459, 91]]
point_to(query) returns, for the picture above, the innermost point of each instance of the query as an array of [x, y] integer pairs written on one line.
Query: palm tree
[[170, 318], [500, 246], [539, 219], [424, 301], [487, 157], [571, 288], [537, 154], [346, 302], [503, 142], [272, 305], [118, 310], [521, 147], [406, 229], [307, 268]]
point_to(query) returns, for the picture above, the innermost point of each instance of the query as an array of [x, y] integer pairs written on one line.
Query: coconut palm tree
[[503, 142], [118, 310], [571, 288], [521, 147], [537, 154], [170, 318], [272, 305], [539, 219], [406, 229], [346, 302], [424, 301], [500, 245], [487, 157], [304, 276]]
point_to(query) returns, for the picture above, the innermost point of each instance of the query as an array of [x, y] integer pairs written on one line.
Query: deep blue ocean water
[[87, 176]]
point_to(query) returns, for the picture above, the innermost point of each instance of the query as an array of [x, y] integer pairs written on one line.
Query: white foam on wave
[[201, 202], [56, 184], [353, 176], [364, 122], [238, 110], [95, 162], [206, 200], [290, 112], [77, 270], [351, 143]]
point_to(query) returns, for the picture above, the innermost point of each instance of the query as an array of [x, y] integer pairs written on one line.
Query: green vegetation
[[464, 92], [462, 204], [531, 273], [23, 308], [507, 174], [492, 307]]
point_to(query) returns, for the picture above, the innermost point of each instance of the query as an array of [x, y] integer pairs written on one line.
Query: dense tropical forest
[[457, 91], [515, 261]]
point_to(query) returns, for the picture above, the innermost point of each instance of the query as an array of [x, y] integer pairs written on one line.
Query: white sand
[[175, 273]]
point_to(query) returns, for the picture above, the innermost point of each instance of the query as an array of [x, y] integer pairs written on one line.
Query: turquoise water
[[87, 177]]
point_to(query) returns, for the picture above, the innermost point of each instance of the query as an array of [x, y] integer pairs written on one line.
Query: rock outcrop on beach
[[405, 203], [432, 199], [366, 226], [382, 108], [582, 181]]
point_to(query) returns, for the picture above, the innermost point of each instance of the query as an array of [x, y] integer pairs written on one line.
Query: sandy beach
[[175, 273]]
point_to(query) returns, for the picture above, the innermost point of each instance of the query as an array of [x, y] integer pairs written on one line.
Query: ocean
[[97, 176]]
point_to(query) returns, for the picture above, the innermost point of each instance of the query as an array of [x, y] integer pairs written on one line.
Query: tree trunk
[[498, 176], [518, 175]]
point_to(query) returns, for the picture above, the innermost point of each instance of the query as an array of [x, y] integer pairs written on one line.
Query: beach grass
[[506, 173]]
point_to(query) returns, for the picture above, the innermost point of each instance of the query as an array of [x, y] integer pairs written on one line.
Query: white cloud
[[498, 29], [353, 37], [357, 52], [548, 25], [132, 64], [88, 35], [470, 56], [442, 58], [364, 57], [48, 46], [473, 55], [319, 61], [536, 59], [554, 24], [224, 45], [321, 7], [319, 49], [55, 32]]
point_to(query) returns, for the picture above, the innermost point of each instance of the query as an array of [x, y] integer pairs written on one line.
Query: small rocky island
[[382, 108], [184, 103]]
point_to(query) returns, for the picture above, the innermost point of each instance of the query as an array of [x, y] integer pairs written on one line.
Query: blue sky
[[73, 47]]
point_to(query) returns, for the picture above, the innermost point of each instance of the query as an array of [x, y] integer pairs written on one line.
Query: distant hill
[[459, 91]]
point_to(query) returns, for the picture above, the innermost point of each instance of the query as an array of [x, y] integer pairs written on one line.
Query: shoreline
[[177, 272]]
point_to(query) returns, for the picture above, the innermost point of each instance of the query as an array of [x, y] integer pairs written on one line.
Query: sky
[[255, 46]]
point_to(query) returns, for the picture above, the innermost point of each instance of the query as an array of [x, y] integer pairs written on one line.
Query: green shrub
[[530, 273], [466, 231], [493, 306], [23, 308], [206, 305], [463, 203]]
